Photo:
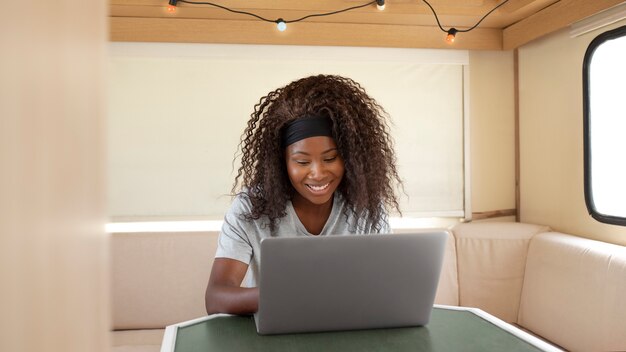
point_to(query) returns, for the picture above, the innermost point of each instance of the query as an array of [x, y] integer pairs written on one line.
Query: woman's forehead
[[313, 145]]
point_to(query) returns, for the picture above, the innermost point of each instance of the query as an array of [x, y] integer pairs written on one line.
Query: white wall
[[177, 111], [551, 128]]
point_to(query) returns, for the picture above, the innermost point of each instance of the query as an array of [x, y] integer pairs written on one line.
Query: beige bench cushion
[[448, 288], [491, 264], [137, 340], [159, 279], [575, 292]]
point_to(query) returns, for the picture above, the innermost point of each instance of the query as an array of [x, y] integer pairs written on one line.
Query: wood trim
[[467, 163], [482, 215], [517, 134], [552, 18], [136, 29]]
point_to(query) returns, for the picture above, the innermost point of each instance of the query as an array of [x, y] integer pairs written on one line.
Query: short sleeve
[[233, 241]]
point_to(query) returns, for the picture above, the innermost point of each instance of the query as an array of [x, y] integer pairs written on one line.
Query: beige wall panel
[[52, 243], [551, 136], [492, 130]]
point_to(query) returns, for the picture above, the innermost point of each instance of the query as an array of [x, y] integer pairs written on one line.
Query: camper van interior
[[120, 122]]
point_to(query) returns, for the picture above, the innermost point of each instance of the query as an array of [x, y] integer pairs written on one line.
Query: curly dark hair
[[362, 138]]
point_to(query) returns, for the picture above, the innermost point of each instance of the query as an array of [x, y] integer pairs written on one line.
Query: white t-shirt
[[240, 239]]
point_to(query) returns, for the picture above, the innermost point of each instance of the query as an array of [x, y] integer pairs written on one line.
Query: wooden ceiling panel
[[403, 23], [560, 15], [306, 33]]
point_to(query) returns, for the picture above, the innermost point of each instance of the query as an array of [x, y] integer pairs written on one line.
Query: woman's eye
[[301, 162], [330, 159]]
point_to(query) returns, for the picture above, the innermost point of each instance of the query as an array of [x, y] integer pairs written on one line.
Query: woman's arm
[[224, 294]]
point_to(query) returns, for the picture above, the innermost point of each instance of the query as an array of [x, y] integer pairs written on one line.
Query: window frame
[[589, 201]]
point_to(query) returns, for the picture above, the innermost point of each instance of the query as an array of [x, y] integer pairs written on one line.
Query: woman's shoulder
[[242, 208], [241, 203]]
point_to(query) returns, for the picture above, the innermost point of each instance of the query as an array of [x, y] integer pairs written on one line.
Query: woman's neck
[[312, 216]]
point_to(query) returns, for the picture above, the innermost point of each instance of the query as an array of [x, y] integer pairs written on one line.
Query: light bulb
[[451, 35], [281, 24], [171, 7]]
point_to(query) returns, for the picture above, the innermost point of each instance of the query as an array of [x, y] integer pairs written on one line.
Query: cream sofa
[[567, 290]]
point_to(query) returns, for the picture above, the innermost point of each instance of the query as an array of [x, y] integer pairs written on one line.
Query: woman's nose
[[317, 170]]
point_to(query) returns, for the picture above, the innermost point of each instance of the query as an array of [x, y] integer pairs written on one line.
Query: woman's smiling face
[[315, 168]]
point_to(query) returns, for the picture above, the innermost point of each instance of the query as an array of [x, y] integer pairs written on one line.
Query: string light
[[451, 32], [281, 24], [451, 35], [380, 4], [171, 8]]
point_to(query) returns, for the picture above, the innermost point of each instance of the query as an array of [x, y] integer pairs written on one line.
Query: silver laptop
[[311, 284]]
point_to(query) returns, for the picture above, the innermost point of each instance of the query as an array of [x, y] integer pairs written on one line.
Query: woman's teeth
[[318, 188]]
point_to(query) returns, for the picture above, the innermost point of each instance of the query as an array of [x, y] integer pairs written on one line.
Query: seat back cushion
[[137, 340], [448, 288], [491, 264], [575, 292], [159, 279]]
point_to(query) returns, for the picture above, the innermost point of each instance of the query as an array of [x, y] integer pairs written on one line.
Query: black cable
[[333, 12], [464, 30], [227, 9], [336, 12], [274, 21], [434, 13]]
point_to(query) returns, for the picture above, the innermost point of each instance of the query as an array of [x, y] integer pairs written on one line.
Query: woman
[[317, 160]]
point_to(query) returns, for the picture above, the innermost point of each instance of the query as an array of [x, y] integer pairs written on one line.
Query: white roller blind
[[176, 112]]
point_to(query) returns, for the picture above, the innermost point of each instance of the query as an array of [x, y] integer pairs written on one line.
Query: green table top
[[448, 330]]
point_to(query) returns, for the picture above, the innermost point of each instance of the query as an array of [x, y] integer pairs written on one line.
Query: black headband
[[305, 127]]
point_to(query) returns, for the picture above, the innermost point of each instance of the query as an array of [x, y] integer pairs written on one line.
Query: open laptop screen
[[331, 283]]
